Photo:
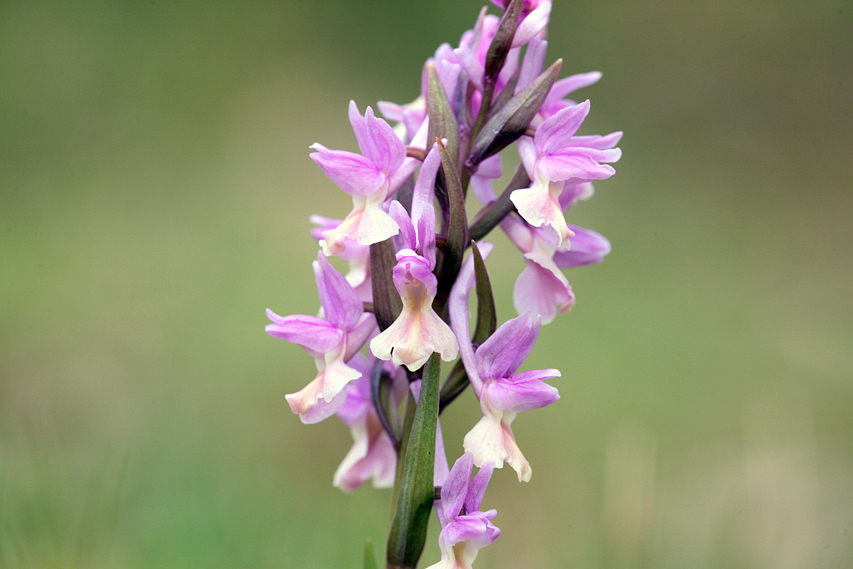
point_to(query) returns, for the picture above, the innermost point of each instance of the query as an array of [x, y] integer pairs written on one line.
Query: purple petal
[[314, 334], [597, 141], [424, 191], [539, 291], [569, 85], [341, 304], [527, 152], [407, 231], [576, 164], [532, 24], [587, 247], [354, 173], [357, 406], [477, 488], [468, 60], [426, 234], [377, 140], [531, 67], [503, 353], [573, 192], [455, 487], [412, 269], [385, 149], [464, 528], [524, 392], [556, 132]]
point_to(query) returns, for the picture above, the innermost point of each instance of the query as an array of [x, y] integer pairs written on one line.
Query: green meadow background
[[155, 189]]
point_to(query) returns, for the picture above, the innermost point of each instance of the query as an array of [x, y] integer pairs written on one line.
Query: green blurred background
[[154, 194]]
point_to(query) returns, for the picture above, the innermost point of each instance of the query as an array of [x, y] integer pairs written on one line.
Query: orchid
[[418, 331], [465, 530], [505, 393], [413, 257], [556, 157], [372, 454], [332, 339], [369, 178]]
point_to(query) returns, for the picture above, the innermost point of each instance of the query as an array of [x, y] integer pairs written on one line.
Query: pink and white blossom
[[370, 177], [372, 455], [332, 338], [418, 332], [465, 530], [555, 158]]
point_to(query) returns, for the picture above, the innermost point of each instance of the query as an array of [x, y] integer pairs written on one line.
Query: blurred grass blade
[[370, 556]]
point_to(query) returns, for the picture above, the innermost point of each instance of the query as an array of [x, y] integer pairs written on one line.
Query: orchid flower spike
[[332, 338], [465, 530]]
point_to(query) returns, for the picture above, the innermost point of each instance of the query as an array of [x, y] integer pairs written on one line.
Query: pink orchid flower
[[372, 454], [333, 339], [369, 177], [555, 158], [465, 530]]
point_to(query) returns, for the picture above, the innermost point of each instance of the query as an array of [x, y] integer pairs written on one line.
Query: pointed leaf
[[456, 231], [442, 121], [487, 317], [510, 122], [408, 531], [502, 42], [387, 304], [505, 95]]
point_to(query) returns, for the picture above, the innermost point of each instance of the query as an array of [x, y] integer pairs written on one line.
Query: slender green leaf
[[456, 232], [408, 531], [487, 317], [442, 121], [510, 122], [387, 304]]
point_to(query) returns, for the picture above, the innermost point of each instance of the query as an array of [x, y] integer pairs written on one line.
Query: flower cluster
[[414, 258]]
